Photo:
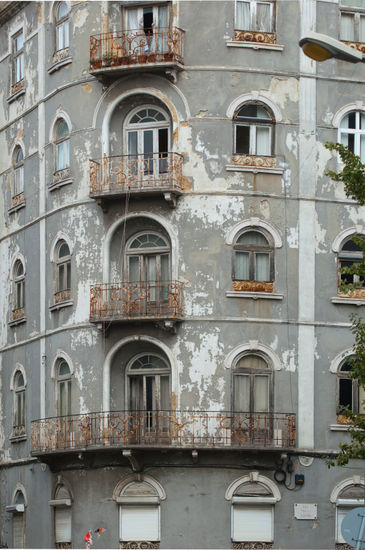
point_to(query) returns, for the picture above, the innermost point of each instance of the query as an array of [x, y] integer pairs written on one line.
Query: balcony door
[[252, 399], [147, 134], [150, 26], [148, 387], [148, 264]]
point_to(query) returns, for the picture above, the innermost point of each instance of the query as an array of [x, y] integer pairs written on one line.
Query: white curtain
[[261, 394], [262, 267], [162, 29], [263, 140], [243, 15], [241, 393], [242, 266], [263, 19], [132, 19], [347, 27]]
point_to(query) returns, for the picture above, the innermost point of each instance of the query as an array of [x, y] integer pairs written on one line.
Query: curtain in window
[[162, 29], [362, 29], [241, 393], [242, 266], [243, 15], [263, 18], [132, 19], [347, 27], [263, 140], [261, 394], [262, 267]]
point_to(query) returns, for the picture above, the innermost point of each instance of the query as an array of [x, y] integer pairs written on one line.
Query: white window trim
[[253, 223], [252, 347]]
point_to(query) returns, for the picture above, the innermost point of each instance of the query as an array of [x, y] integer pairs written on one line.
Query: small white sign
[[305, 510]]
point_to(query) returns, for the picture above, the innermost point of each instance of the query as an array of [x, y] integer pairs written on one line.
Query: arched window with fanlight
[[19, 404], [62, 506], [149, 394], [253, 130], [62, 26], [253, 256], [350, 254], [350, 393], [352, 133], [19, 288], [252, 384], [63, 272], [147, 139], [62, 144], [347, 495], [64, 379], [18, 171]]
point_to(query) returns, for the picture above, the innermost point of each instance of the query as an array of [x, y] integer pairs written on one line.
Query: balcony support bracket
[[169, 326], [171, 199], [103, 205], [171, 75], [195, 456], [135, 464]]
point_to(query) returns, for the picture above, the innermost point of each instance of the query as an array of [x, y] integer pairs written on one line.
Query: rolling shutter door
[[18, 531], [63, 524], [252, 523], [139, 523]]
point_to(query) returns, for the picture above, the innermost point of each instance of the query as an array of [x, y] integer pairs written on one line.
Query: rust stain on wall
[[39, 12], [87, 88]]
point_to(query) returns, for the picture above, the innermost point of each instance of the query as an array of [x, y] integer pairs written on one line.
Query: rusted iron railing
[[143, 300], [136, 47], [132, 173], [159, 429]]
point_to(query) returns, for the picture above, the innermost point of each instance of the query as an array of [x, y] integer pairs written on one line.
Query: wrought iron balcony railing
[[119, 175], [122, 49], [164, 429], [145, 300]]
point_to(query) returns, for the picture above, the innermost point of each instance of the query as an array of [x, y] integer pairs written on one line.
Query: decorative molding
[[339, 359], [253, 477], [255, 45], [262, 96], [60, 177], [341, 237], [253, 286], [145, 544], [354, 480], [135, 478], [18, 314], [61, 236], [61, 305], [347, 301], [250, 36], [354, 106], [252, 346], [59, 356], [251, 223], [15, 322], [252, 545], [254, 160], [16, 90], [254, 169], [18, 368]]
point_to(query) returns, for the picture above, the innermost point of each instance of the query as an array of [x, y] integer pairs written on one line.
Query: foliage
[[353, 177]]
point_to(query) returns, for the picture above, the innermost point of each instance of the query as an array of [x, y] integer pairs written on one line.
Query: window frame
[[19, 413], [253, 123], [252, 373], [64, 380], [349, 256], [19, 286], [357, 13], [143, 253], [355, 389], [64, 264], [139, 501], [18, 172], [253, 14], [17, 58], [357, 132], [253, 250], [61, 144], [62, 24]]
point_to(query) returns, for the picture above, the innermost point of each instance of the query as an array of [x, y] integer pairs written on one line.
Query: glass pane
[[19, 155], [67, 152], [19, 295], [62, 10], [19, 380], [263, 140], [61, 277], [263, 22], [242, 139], [251, 362], [132, 19], [165, 267], [147, 143], [345, 392], [361, 400], [242, 266], [132, 143], [351, 246], [262, 268], [62, 129], [19, 269], [63, 399], [362, 29], [68, 275], [252, 238], [164, 393], [347, 27], [60, 157], [133, 269], [67, 34], [241, 395], [162, 17], [64, 369], [60, 44], [242, 15], [362, 148], [261, 393], [151, 273], [63, 250]]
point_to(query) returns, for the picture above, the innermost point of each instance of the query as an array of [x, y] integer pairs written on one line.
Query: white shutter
[[18, 531], [139, 523], [252, 523], [63, 524]]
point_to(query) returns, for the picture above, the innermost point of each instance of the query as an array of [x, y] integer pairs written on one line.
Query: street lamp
[[321, 47]]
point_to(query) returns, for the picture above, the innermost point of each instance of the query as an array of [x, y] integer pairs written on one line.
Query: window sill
[[339, 427], [254, 45], [18, 438], [60, 178], [60, 305], [60, 59], [16, 91], [17, 320], [254, 295], [18, 206], [348, 301]]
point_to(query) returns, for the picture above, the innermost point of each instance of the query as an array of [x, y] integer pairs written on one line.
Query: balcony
[[145, 174], [137, 301], [120, 51], [164, 429]]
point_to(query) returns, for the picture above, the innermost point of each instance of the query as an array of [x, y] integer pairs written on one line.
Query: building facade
[[174, 338]]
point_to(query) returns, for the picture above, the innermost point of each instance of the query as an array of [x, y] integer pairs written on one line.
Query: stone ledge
[[348, 301], [254, 295], [255, 45], [60, 305]]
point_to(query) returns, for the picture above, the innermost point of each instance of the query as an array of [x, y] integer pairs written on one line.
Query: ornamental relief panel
[[254, 160], [144, 544], [250, 36], [253, 545]]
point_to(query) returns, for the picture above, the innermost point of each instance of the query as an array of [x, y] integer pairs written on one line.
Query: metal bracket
[[169, 326], [171, 75], [171, 199], [195, 456], [135, 464]]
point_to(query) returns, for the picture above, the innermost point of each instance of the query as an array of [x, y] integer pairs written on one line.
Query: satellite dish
[[353, 528]]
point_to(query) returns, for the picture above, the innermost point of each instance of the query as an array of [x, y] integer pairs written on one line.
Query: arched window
[[18, 167], [139, 513], [62, 26], [148, 263], [63, 272], [352, 133], [350, 393], [63, 389], [62, 144], [19, 290], [253, 130], [62, 516], [253, 256], [346, 496], [252, 384], [349, 255], [19, 404], [147, 140], [148, 388], [252, 510]]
